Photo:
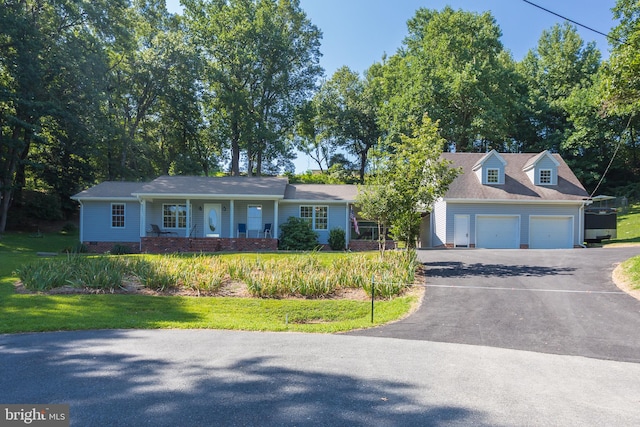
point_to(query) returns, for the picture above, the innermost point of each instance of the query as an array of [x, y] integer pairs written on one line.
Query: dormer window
[[493, 176], [545, 177], [490, 169]]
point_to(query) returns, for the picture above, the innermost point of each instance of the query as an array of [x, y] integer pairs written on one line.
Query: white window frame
[[314, 218], [540, 181], [175, 217], [123, 215], [497, 176]]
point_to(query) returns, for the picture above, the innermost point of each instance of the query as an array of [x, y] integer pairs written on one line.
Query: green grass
[[631, 271], [628, 226], [629, 232], [40, 312]]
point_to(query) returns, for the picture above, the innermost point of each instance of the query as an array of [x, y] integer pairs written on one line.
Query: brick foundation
[[159, 245], [103, 247], [163, 245]]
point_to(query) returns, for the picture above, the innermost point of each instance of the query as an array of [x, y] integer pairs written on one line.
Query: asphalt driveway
[[549, 301]]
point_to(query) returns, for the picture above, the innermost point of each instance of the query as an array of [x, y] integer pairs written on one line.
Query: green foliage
[[262, 60], [337, 239], [69, 228], [297, 235], [76, 271], [78, 248], [119, 249], [37, 312], [453, 67], [347, 116], [406, 180], [42, 206]]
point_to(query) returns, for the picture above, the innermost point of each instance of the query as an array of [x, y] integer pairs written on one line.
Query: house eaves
[[518, 201]]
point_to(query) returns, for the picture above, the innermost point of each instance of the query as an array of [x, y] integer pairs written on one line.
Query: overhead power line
[[573, 22]]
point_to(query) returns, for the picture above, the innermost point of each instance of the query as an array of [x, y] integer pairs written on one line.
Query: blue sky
[[357, 33]]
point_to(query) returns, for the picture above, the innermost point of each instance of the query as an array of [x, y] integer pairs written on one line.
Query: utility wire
[[612, 157], [574, 22]]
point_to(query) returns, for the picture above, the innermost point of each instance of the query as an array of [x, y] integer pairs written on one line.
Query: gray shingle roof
[[265, 187], [517, 185], [110, 190], [321, 192]]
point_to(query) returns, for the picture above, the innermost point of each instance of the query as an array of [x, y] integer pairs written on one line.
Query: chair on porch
[[267, 230], [156, 230], [242, 229]]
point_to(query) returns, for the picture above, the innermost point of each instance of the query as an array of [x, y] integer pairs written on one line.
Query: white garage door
[[550, 232], [498, 231]]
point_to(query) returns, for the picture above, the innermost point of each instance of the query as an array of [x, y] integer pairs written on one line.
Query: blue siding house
[[206, 213], [503, 200], [498, 201]]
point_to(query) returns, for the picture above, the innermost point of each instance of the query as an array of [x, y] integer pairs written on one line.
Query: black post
[[373, 295]]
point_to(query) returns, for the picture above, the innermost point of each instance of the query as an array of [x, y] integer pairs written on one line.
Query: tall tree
[[453, 66], [559, 65], [622, 80], [348, 114], [263, 58], [51, 53]]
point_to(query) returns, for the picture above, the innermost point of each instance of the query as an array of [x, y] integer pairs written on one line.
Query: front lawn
[[43, 312]]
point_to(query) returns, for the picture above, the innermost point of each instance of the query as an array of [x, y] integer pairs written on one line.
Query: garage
[[551, 232], [498, 231]]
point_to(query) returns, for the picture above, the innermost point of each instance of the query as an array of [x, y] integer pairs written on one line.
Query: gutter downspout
[[81, 222]]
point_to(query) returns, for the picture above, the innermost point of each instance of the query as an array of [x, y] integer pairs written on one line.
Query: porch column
[[188, 230], [232, 230], [143, 218], [347, 227], [274, 231]]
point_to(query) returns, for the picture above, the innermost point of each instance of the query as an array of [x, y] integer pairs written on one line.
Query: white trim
[[497, 182], [81, 221], [143, 218], [177, 223], [124, 215], [275, 219], [313, 215], [104, 199], [517, 201], [315, 201], [539, 177], [259, 197]]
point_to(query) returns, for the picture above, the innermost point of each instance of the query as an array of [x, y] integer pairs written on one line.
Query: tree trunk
[[8, 180], [235, 149], [363, 165], [259, 163]]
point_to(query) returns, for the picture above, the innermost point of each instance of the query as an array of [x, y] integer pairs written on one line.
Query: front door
[[212, 219], [461, 231]]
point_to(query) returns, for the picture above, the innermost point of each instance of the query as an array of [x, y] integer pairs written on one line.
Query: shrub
[[69, 228], [118, 249], [44, 206], [79, 248], [297, 235], [337, 238]]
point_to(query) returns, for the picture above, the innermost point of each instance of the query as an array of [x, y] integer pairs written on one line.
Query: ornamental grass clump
[[105, 273]]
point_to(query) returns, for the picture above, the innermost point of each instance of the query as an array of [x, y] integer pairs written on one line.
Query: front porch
[[171, 244]]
